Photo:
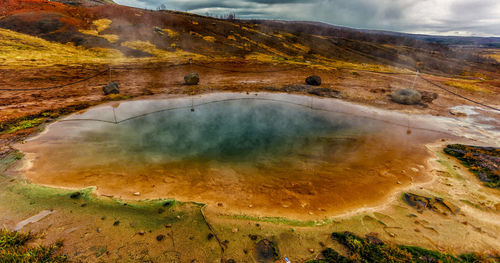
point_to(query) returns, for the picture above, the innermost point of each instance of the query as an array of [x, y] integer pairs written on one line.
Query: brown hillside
[[138, 33]]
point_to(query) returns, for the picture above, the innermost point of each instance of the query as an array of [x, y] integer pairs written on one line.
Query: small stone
[[84, 205], [178, 217], [210, 236], [142, 232], [322, 244], [103, 218], [137, 194], [168, 225], [160, 238], [399, 182], [253, 237], [250, 206], [313, 80], [234, 230], [391, 234], [311, 250], [220, 204], [116, 223], [98, 230], [192, 79], [111, 88], [161, 210]]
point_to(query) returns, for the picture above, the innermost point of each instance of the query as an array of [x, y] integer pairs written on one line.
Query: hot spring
[[270, 154]]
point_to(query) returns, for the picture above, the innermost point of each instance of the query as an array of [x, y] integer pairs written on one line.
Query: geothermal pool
[[268, 154]]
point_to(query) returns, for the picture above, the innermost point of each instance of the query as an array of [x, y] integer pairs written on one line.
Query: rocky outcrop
[[192, 79], [111, 88], [406, 96], [313, 80]]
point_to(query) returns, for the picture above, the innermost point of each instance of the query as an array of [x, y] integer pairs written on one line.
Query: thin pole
[[414, 80], [109, 75]]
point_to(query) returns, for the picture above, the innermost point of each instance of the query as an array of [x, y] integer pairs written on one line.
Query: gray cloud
[[444, 17]]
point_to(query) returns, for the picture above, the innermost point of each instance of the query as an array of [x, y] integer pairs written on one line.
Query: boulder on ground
[[428, 97], [192, 79], [407, 96], [313, 80], [111, 88]]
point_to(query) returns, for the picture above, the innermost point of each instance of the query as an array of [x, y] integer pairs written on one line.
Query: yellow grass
[[21, 50], [469, 85], [209, 39], [161, 54], [101, 25], [170, 32], [195, 34]]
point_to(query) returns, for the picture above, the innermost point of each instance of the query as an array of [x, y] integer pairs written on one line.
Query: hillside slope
[[143, 33]]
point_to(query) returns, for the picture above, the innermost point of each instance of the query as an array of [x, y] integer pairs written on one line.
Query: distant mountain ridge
[[325, 29]]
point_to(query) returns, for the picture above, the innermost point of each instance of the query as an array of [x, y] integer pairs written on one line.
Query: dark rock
[[116, 223], [160, 237], [192, 79], [210, 236], [313, 80], [325, 92], [253, 237], [266, 251], [84, 205], [406, 96], [166, 204], [75, 195], [428, 97], [111, 88]]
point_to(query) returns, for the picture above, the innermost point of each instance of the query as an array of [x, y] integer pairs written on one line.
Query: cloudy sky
[[442, 17]]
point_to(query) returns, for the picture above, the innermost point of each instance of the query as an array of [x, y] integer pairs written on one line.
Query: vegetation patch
[[284, 221], [21, 50], [484, 162], [372, 249], [32, 121], [469, 85], [15, 247]]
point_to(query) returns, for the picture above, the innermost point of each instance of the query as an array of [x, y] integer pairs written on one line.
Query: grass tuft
[[362, 250], [15, 247]]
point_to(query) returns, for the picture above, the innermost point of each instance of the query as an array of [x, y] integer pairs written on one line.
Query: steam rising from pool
[[271, 152]]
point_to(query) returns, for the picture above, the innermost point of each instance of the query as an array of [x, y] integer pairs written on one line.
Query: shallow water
[[274, 153]]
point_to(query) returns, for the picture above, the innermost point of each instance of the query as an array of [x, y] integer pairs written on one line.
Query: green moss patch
[[484, 162], [35, 120], [372, 249]]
